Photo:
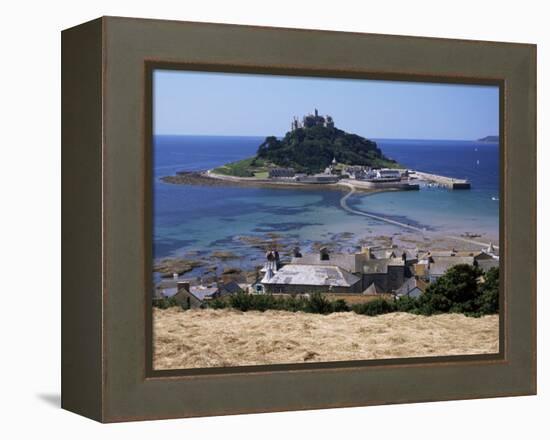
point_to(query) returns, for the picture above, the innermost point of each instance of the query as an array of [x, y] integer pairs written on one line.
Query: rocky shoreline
[[205, 179], [242, 259]]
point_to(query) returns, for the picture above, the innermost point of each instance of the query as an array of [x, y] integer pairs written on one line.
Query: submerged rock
[[169, 266], [264, 243], [231, 271], [225, 255]]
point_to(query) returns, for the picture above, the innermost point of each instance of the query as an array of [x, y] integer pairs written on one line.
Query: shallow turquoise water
[[205, 218]]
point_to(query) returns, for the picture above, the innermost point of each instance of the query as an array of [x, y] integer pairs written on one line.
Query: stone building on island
[[312, 120]]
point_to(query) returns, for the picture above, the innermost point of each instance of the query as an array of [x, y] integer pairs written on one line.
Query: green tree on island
[[312, 149]]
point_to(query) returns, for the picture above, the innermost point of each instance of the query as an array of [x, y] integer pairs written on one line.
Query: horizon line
[[371, 138]]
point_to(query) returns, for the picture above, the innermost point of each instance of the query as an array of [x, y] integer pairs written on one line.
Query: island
[[315, 152], [311, 146]]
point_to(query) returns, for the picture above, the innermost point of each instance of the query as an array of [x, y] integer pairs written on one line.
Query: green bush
[[165, 303], [217, 304], [293, 304], [245, 302], [459, 291], [378, 306], [242, 301], [454, 292], [487, 301], [263, 302], [317, 303], [340, 306], [407, 304]]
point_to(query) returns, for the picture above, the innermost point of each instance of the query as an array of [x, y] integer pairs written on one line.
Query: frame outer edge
[[127, 395], [534, 79], [81, 213]]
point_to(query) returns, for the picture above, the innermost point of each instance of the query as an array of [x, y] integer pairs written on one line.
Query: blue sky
[[207, 103]]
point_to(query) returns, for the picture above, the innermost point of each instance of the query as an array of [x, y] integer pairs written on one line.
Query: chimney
[[367, 251], [183, 285], [271, 263]]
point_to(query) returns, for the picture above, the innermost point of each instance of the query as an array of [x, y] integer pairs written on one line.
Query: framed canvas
[[264, 219]]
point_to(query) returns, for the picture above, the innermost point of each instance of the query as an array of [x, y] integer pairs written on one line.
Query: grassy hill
[[232, 338], [309, 150], [250, 167]]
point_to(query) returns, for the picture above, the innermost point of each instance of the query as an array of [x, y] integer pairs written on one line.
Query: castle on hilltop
[[312, 120]]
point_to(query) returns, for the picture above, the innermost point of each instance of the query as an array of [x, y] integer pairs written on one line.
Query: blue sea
[[191, 220]]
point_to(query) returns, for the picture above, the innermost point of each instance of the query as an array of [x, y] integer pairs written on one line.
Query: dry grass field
[[217, 338]]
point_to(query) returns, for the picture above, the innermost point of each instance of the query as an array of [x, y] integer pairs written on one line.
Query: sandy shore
[[216, 338]]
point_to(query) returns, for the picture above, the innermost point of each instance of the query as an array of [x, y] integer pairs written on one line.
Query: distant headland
[[489, 139], [315, 152]]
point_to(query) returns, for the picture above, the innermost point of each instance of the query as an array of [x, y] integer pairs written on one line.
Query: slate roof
[[384, 253], [349, 262], [355, 262], [393, 252], [373, 289], [442, 264], [202, 293], [409, 285], [451, 253], [485, 265], [166, 288], [468, 253], [380, 266], [435, 254], [231, 287], [313, 275], [181, 294]]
